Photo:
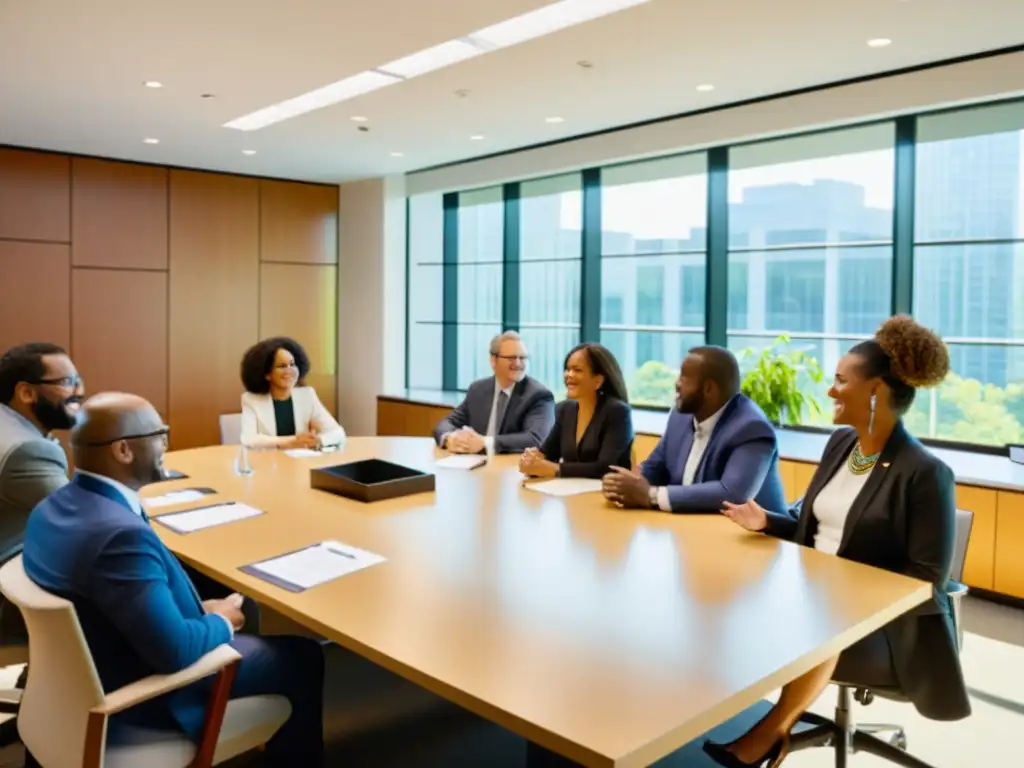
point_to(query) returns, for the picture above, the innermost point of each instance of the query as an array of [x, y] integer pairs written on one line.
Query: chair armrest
[[157, 685]]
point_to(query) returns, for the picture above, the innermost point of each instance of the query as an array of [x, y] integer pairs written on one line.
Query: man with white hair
[[505, 413]]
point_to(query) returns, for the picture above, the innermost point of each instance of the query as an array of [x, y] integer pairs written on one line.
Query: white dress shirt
[[832, 506], [701, 437], [136, 504]]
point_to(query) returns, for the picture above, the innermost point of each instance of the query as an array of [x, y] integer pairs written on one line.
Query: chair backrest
[[230, 428], [62, 684], [964, 523]]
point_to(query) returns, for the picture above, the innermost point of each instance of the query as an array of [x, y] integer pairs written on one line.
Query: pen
[[329, 548]]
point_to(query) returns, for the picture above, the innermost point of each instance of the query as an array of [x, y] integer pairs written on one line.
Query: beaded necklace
[[859, 463]]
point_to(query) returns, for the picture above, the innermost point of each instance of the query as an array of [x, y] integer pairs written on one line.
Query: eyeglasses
[[162, 432], [63, 381], [285, 366], [514, 358]]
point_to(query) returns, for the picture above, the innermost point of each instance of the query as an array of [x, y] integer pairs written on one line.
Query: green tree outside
[[960, 409]]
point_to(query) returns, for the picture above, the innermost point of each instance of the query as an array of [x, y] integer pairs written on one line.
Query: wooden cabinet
[[1009, 544], [979, 568]]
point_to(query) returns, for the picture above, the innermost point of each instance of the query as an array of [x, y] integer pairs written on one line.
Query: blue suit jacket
[[741, 461], [138, 609]]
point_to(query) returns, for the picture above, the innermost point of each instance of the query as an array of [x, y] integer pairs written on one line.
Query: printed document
[[207, 517], [314, 565], [177, 497], [461, 461], [566, 486]]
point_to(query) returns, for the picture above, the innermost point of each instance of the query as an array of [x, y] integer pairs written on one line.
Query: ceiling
[[72, 72]]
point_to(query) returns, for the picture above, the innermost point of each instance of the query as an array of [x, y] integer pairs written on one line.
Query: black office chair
[[845, 735]]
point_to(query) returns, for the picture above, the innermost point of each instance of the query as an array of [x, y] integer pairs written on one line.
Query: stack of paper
[[314, 565], [301, 453], [207, 517], [461, 461], [566, 486], [177, 497]]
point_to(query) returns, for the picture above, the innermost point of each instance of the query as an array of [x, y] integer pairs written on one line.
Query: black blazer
[[607, 440], [903, 520], [527, 419]]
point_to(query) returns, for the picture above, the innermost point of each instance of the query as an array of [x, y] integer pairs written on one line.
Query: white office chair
[[63, 715], [230, 428]]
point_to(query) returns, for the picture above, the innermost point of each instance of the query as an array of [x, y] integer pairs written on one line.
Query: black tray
[[371, 480]]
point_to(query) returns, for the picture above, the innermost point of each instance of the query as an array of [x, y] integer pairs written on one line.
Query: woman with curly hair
[[277, 410], [878, 497]]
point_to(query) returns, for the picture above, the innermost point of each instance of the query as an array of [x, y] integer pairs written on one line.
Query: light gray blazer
[[31, 468]]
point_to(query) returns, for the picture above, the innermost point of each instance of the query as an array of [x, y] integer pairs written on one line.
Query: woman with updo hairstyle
[[881, 498]]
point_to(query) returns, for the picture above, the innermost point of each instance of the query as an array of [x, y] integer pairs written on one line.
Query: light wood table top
[[611, 637]]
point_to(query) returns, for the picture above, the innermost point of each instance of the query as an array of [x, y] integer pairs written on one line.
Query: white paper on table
[[207, 517], [317, 564], [461, 461], [174, 497], [566, 486], [301, 453]]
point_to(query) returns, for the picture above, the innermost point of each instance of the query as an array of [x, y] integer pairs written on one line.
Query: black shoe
[[721, 755]]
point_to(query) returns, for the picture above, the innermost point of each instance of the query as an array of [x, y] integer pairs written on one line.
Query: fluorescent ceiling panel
[[438, 57], [543, 21], [550, 18], [350, 87]]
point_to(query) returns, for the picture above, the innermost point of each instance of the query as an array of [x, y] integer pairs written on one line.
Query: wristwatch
[[652, 497]]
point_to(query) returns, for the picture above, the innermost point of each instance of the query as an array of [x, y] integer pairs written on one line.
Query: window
[[810, 242], [653, 251], [550, 268], [969, 271], [481, 234], [426, 291]]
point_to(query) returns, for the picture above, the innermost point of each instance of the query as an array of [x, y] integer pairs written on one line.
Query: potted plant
[[774, 381]]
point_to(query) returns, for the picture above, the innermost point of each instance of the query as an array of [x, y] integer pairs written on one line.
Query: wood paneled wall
[[158, 279]]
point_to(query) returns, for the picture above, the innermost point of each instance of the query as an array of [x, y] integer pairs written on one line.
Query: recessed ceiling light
[[248, 151], [476, 137], [151, 141], [153, 84], [358, 119], [543, 21], [554, 120], [705, 87], [396, 154], [879, 42]]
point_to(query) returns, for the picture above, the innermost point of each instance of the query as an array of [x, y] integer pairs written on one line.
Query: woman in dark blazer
[[881, 498], [593, 428]]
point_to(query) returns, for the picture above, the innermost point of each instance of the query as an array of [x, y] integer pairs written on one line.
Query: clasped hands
[[465, 440], [310, 440], [626, 488], [229, 607]]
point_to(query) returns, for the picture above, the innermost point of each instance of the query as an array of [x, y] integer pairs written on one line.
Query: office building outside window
[[811, 244], [550, 266], [481, 232], [653, 255], [969, 270]]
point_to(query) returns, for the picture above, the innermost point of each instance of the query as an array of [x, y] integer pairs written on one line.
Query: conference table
[[610, 637]]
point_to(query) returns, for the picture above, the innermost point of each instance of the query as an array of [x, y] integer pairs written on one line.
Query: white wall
[[974, 81], [371, 298]]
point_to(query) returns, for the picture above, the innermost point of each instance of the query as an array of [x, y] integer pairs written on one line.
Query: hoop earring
[[871, 420]]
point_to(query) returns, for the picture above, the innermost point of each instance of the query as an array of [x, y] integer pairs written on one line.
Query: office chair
[[845, 735], [64, 710], [230, 428]]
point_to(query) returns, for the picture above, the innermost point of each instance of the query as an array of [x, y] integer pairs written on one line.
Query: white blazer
[[259, 427]]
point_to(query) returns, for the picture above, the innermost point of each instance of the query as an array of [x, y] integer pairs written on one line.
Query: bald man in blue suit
[[91, 543]]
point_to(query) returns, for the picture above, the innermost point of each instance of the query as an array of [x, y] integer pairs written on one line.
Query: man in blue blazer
[[505, 413], [91, 543], [718, 446]]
